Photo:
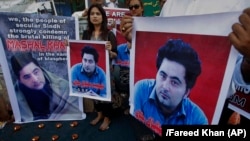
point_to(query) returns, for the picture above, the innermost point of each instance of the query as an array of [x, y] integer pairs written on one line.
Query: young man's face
[[32, 77], [88, 63], [95, 16], [171, 84]]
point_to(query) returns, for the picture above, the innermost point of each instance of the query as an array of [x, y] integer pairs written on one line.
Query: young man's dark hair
[[188, 58], [90, 50], [19, 60]]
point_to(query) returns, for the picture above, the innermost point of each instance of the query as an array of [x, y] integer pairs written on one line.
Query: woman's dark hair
[[104, 27], [179, 51], [90, 50], [20, 60]]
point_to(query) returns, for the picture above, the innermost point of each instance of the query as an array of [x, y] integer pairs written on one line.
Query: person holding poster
[[165, 100], [41, 94], [121, 67], [87, 76], [97, 30]]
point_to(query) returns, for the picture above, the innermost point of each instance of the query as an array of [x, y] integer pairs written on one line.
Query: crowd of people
[[152, 97]]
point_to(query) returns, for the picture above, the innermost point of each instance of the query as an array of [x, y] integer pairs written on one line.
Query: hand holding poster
[[170, 95], [34, 61]]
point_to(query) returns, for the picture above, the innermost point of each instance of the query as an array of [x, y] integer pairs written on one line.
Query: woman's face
[[135, 8], [95, 16]]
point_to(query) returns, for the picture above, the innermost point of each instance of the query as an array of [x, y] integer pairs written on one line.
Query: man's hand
[[126, 27], [240, 36]]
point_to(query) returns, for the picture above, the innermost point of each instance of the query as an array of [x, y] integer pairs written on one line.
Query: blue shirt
[[147, 111], [122, 55], [82, 82], [122, 74]]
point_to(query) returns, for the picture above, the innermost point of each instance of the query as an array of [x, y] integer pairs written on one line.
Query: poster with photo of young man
[[217, 60], [88, 64], [34, 62]]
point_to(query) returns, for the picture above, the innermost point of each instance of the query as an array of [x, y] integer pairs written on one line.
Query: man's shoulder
[[78, 65], [144, 87], [122, 47], [146, 83], [191, 109], [190, 105], [188, 101], [54, 78], [99, 69], [149, 81]]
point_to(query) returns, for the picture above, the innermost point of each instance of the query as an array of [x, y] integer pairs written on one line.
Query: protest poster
[[114, 16], [29, 6], [34, 62], [88, 65], [210, 42]]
